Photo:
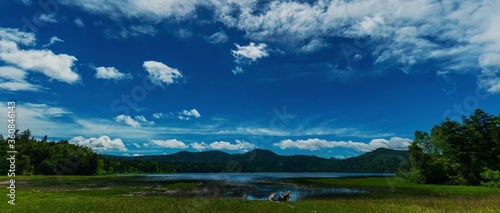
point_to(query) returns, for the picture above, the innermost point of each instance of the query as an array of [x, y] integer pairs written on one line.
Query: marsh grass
[[120, 194]]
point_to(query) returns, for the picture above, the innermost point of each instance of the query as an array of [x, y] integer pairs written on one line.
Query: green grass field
[[120, 194]]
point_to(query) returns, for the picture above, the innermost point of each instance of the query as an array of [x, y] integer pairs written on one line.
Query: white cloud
[[52, 41], [250, 53], [408, 32], [136, 145], [110, 73], [188, 114], [239, 145], [55, 66], [161, 115], [317, 144], [171, 144], [143, 119], [237, 70], [218, 37], [47, 111], [127, 120], [339, 157], [13, 79], [103, 143], [199, 146], [79, 22], [161, 74], [137, 155], [16, 36], [145, 10], [46, 18]]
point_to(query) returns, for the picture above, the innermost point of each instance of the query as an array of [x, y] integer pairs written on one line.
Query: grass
[[112, 194], [394, 186]]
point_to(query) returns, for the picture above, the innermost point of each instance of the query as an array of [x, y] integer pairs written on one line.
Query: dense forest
[[465, 153], [48, 158]]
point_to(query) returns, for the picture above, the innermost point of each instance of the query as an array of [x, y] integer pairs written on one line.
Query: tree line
[[461, 153], [43, 157]]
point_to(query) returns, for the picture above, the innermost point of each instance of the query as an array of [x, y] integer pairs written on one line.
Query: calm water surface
[[258, 186]]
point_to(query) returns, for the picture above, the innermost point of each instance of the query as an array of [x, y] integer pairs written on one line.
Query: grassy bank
[[119, 194]]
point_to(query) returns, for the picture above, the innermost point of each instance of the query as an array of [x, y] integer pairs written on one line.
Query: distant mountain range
[[259, 160]]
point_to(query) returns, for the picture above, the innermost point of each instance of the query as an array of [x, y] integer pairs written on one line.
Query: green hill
[[258, 160]]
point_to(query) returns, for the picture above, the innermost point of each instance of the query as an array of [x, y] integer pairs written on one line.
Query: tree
[[458, 153]]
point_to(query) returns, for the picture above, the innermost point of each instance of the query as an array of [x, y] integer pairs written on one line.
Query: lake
[[258, 186]]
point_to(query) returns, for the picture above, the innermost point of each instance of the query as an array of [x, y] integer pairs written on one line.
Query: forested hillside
[[43, 157]]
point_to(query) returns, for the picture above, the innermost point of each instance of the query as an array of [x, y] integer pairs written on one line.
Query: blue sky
[[329, 78]]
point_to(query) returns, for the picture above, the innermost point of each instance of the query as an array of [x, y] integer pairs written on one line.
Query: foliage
[[492, 178], [48, 158], [455, 152]]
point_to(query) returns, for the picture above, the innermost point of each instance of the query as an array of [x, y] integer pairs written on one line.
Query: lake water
[[258, 186]]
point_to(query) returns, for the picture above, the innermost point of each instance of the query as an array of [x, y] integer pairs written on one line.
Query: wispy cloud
[[52, 41]]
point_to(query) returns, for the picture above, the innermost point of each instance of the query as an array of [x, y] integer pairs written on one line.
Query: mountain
[[260, 160], [379, 160]]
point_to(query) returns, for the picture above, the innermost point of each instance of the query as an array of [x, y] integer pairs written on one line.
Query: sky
[[331, 78]]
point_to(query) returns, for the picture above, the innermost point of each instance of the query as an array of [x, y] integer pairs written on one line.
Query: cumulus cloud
[[188, 114], [143, 119], [223, 145], [182, 115], [317, 144], [171, 144], [250, 53], [55, 66], [161, 74], [136, 121], [136, 145], [103, 143], [239, 145], [16, 36], [110, 73], [127, 120], [199, 146]]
